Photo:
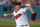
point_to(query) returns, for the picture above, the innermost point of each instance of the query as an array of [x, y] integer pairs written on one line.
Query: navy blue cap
[[17, 3]]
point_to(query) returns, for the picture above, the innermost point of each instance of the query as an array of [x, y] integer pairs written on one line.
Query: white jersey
[[21, 17]]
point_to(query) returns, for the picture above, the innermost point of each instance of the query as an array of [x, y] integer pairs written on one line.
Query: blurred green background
[[12, 22]]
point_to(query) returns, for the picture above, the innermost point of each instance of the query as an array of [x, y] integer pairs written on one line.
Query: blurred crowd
[[23, 2]]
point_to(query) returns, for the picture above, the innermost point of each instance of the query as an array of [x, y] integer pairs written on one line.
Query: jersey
[[21, 17]]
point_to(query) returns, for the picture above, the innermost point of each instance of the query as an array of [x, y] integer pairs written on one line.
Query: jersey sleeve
[[24, 9]]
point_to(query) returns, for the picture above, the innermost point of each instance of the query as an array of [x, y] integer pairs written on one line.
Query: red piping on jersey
[[16, 11], [17, 16]]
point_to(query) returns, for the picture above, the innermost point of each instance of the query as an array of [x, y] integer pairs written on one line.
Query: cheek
[[17, 7]]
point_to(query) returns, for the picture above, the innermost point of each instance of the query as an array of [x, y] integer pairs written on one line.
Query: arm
[[8, 14], [29, 8], [33, 17], [5, 15]]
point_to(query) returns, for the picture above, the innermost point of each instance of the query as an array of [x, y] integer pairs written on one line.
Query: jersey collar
[[17, 11]]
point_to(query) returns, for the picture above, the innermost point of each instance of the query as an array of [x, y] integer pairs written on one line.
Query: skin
[[17, 7]]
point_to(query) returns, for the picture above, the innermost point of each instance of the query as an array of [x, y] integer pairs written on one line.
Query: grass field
[[12, 22]]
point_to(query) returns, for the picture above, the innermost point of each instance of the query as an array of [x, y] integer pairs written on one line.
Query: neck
[[16, 9]]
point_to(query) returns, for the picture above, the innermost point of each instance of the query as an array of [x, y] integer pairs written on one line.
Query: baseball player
[[20, 15]]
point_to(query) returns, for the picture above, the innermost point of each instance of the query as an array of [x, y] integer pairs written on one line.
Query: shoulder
[[23, 8]]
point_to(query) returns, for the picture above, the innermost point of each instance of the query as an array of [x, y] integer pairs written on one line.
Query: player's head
[[17, 5]]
